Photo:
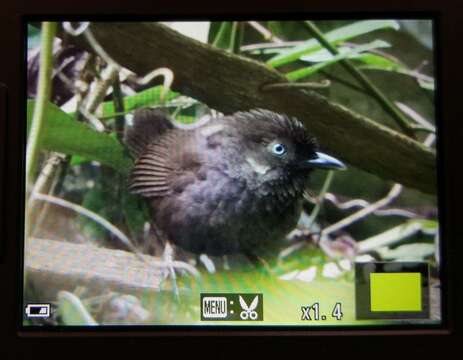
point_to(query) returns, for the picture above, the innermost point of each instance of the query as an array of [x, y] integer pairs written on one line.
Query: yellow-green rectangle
[[395, 291]]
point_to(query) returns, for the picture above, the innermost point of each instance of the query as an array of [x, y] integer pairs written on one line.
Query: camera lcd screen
[[242, 173]]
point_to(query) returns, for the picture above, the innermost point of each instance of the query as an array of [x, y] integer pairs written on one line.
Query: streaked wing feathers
[[153, 169], [148, 125]]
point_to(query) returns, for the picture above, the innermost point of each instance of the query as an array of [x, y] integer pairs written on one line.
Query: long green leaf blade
[[396, 234], [301, 73], [335, 36], [145, 98]]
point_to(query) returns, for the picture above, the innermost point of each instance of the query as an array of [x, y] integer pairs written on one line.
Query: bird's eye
[[278, 149]]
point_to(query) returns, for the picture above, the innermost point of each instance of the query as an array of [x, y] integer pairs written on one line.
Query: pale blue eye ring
[[278, 149]]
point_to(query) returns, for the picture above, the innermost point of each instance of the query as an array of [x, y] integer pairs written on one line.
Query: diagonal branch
[[228, 83]]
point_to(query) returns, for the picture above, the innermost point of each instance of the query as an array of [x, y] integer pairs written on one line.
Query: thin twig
[[92, 119], [276, 45], [118, 102], [235, 42], [425, 129], [361, 214], [291, 249], [395, 212], [166, 73], [67, 26], [101, 87], [85, 317], [321, 196], [426, 125], [412, 73], [267, 34], [378, 52], [46, 182], [304, 85], [100, 50], [208, 263], [220, 33], [91, 215], [355, 203], [380, 97], [168, 257]]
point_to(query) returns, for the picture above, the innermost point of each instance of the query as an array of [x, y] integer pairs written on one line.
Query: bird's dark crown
[[261, 123]]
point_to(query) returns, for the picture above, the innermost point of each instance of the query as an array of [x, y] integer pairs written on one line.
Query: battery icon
[[38, 310]]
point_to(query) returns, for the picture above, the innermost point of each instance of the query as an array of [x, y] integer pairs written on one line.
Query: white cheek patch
[[258, 168], [211, 130]]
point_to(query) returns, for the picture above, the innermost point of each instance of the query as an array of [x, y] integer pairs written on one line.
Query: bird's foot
[[168, 257], [260, 263]]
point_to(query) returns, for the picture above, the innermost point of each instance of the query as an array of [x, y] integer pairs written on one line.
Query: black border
[[3, 121], [170, 329], [448, 33]]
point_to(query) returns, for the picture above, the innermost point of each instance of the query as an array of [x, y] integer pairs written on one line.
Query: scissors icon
[[248, 311]]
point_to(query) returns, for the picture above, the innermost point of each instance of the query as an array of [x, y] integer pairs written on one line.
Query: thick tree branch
[[228, 83]]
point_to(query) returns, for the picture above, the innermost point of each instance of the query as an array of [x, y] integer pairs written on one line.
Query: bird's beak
[[323, 161]]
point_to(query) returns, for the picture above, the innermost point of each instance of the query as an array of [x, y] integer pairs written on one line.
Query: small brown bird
[[232, 185]]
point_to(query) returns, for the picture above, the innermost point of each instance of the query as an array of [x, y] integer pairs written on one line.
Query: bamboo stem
[[43, 97]]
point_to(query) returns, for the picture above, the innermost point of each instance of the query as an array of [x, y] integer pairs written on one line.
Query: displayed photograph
[[255, 173]]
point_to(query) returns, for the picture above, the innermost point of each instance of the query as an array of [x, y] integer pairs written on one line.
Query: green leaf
[[219, 34], [78, 160], [72, 311], [335, 37], [145, 98], [275, 28], [410, 252], [33, 37], [301, 73], [395, 234], [323, 54], [429, 227], [65, 135], [366, 59], [427, 85], [378, 61]]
